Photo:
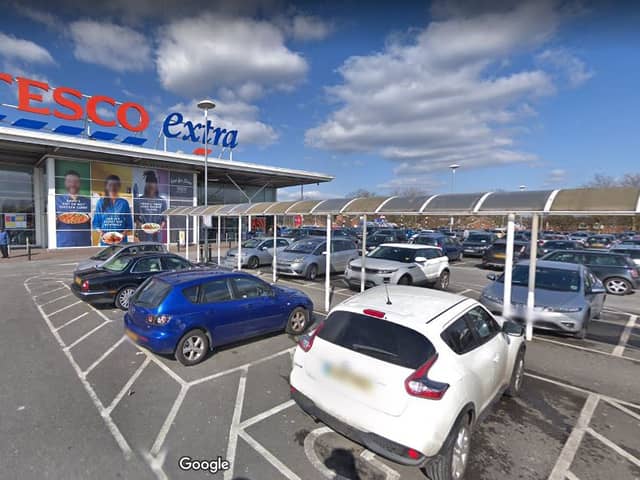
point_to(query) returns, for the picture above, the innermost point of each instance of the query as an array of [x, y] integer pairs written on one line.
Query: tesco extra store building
[[76, 169]]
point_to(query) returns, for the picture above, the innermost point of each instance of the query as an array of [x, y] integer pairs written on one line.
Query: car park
[[477, 243], [189, 313], [403, 264], [116, 280], [386, 363], [567, 296], [600, 241], [255, 252], [619, 274], [449, 245], [553, 245], [579, 236], [496, 255], [307, 257], [114, 251]]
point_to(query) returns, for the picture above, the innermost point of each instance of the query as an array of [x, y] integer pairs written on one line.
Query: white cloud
[[307, 27], [198, 55], [13, 48], [574, 69], [293, 193], [555, 176], [447, 94], [113, 46]]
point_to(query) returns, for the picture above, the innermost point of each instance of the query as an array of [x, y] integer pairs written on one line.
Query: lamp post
[[206, 105], [453, 167]]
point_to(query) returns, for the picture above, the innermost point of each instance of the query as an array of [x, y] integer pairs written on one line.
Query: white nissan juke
[[408, 374]]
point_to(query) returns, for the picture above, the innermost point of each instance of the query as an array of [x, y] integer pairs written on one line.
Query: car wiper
[[369, 348]]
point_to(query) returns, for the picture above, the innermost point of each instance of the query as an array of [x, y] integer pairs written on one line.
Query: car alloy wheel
[[617, 286], [518, 374], [297, 321], [444, 280], [124, 297], [254, 262], [193, 348], [460, 455], [312, 272]]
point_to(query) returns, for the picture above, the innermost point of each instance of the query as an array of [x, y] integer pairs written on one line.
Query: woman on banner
[[113, 214], [148, 209], [73, 211]]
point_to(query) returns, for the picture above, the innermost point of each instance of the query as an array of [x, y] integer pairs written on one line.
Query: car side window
[[250, 288], [191, 293], [282, 243], [588, 282], [428, 253], [149, 264], [215, 291], [267, 244], [483, 323], [562, 257], [338, 246], [459, 336], [175, 263]]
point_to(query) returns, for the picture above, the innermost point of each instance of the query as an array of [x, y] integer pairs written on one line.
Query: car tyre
[[298, 321], [312, 272], [443, 281], [405, 280], [253, 263], [453, 459], [617, 286], [123, 297], [192, 348], [517, 376]]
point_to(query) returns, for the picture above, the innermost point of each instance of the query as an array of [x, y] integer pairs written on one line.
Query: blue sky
[[543, 94]]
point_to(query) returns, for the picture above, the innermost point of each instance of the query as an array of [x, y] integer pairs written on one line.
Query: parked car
[[553, 245], [189, 313], [600, 241], [631, 242], [114, 251], [379, 238], [255, 252], [477, 243], [619, 274], [407, 375], [116, 280], [403, 264], [579, 236], [631, 251], [567, 296], [496, 255], [306, 257], [449, 245]]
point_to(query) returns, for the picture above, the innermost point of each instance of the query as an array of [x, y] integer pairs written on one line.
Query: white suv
[[407, 375], [403, 264]]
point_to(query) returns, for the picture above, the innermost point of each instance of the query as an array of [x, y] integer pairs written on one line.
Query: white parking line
[[164, 430], [266, 414], [48, 292], [272, 459], [128, 385], [71, 321], [312, 456], [65, 308], [586, 349], [86, 335], [103, 356], [571, 476], [235, 426], [390, 473], [55, 299], [624, 338], [563, 464], [619, 450]]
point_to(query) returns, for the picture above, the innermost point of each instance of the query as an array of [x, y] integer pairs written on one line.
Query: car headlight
[[491, 298], [298, 260], [386, 272]]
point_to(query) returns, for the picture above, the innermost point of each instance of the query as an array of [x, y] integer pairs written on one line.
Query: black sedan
[[115, 281]]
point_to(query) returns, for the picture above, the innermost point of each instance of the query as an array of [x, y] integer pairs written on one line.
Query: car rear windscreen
[[152, 293], [377, 338]]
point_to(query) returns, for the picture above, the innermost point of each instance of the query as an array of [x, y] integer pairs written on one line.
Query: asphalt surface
[[79, 400]]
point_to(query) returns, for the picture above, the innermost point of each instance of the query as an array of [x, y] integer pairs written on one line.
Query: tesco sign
[[70, 104]]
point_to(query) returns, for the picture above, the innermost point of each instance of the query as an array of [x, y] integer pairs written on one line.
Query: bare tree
[[361, 192], [600, 180], [411, 192]]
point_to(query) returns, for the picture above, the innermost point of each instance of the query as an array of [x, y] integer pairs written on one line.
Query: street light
[[453, 167], [206, 105]]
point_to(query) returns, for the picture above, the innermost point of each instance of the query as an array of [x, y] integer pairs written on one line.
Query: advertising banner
[[15, 221]]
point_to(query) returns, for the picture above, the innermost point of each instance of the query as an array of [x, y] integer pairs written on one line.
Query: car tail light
[[413, 454], [418, 384], [158, 319], [306, 341], [634, 272], [85, 286], [373, 313]]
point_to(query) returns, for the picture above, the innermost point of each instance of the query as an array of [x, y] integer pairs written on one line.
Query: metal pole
[[206, 177], [508, 268], [531, 294], [327, 268], [196, 224], [239, 242], [186, 236], [218, 238], [168, 232], [275, 250], [363, 261]]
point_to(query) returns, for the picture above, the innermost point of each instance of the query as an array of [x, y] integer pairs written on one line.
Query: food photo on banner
[[150, 193], [73, 203], [111, 194]]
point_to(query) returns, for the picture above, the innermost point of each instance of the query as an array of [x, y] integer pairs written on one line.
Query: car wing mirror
[[421, 259], [512, 328]]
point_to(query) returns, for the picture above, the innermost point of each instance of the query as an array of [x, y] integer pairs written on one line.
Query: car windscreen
[[556, 279], [559, 244], [117, 264], [397, 254], [106, 252], [433, 241], [377, 338], [303, 246], [475, 237], [253, 243], [152, 293]]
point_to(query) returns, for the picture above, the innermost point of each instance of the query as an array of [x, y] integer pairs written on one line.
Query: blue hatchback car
[[451, 247], [188, 313]]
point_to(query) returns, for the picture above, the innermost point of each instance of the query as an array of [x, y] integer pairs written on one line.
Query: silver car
[[114, 251], [306, 257], [567, 296], [255, 252]]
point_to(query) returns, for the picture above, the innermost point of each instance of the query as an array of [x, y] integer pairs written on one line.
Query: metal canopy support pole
[[531, 294], [327, 268], [249, 229], [196, 224], [508, 268], [363, 260], [218, 238], [239, 242], [186, 236], [275, 248], [168, 232]]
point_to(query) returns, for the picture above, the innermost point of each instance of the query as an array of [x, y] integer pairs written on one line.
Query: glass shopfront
[[17, 203]]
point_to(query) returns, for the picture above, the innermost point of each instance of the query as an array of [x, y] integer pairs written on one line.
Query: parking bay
[[236, 404]]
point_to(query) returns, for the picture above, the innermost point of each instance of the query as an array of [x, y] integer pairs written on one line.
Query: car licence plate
[[500, 255], [131, 335], [77, 280], [347, 376]]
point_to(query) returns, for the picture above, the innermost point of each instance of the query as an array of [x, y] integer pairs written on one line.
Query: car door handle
[[496, 358]]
